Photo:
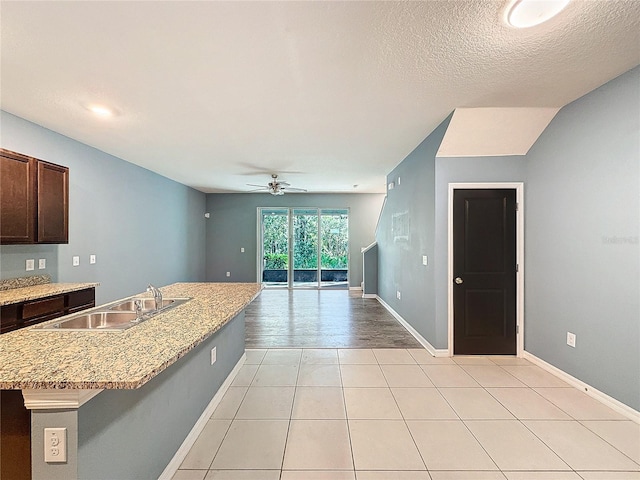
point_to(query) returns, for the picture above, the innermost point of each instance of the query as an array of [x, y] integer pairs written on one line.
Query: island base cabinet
[[15, 437]]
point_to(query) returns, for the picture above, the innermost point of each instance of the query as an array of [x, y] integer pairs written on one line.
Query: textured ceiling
[[328, 94]]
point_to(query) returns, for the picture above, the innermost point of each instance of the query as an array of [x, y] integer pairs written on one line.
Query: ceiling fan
[[274, 187]]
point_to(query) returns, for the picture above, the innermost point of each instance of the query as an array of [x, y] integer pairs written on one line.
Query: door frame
[[519, 188]]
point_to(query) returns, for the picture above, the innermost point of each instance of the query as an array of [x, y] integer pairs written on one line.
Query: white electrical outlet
[[42, 263], [571, 339], [398, 295], [213, 355], [30, 264], [76, 260], [92, 259], [228, 274], [425, 260], [55, 445], [398, 181], [241, 249]]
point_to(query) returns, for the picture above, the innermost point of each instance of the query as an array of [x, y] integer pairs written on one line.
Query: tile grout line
[[404, 420], [521, 422], [346, 416], [295, 390], [232, 420]]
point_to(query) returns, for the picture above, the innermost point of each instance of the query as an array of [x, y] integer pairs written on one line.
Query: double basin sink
[[117, 316]]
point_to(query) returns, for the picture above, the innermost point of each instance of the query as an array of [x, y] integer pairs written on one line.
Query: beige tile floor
[[398, 414]]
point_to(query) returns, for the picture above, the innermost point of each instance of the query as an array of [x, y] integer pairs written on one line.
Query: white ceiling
[[328, 94]]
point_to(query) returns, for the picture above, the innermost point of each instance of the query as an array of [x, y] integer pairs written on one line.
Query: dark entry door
[[484, 271]]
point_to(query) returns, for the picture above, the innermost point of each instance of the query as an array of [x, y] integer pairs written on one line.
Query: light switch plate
[[571, 339], [30, 264], [425, 260], [92, 259], [76, 260], [42, 263]]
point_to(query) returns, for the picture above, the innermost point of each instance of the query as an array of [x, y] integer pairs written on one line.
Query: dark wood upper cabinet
[[53, 203], [17, 198], [34, 200]]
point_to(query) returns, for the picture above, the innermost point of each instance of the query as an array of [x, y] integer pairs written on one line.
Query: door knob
[[458, 280]]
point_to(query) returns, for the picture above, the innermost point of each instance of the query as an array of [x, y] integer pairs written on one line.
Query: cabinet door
[[17, 198], [53, 203]]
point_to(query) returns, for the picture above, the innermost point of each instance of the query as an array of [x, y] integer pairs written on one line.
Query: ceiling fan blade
[[292, 189], [284, 184], [257, 190], [260, 186]]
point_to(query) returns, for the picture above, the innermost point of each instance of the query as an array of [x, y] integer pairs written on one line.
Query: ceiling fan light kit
[[274, 187]]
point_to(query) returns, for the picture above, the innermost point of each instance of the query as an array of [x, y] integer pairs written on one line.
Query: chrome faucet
[[138, 307], [157, 296]]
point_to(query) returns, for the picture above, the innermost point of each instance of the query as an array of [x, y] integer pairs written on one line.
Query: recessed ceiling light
[[100, 110], [528, 13]]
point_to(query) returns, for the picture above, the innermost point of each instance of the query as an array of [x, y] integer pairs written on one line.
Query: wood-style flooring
[[322, 319]]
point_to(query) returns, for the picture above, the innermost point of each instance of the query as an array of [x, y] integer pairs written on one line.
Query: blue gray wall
[[582, 262], [406, 232], [143, 228], [582, 215], [370, 270], [233, 225]]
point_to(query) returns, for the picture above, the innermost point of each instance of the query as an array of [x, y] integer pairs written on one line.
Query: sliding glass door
[[304, 247], [274, 246], [334, 253]]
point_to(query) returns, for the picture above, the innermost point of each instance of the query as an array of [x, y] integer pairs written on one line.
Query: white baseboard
[[182, 452], [436, 352], [355, 288], [602, 397], [369, 295]]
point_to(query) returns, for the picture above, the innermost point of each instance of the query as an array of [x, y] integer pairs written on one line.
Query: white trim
[[173, 466], [369, 295], [594, 393], [436, 352], [355, 288], [49, 399], [519, 188]]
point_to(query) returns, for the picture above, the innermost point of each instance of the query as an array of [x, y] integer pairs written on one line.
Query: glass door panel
[[305, 247], [275, 247], [334, 253]]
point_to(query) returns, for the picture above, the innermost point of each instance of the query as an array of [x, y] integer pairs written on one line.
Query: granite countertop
[[40, 359], [34, 292]]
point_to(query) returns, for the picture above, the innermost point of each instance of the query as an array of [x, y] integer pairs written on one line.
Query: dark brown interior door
[[484, 271]]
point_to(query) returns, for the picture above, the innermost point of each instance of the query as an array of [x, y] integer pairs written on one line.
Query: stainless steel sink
[[148, 304], [95, 321], [114, 317]]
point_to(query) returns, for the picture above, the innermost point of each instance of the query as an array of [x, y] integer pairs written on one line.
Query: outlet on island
[[55, 445]]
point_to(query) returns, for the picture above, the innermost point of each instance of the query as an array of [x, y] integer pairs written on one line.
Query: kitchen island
[[129, 398]]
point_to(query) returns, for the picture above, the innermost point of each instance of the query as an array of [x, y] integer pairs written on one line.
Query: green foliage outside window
[[334, 242]]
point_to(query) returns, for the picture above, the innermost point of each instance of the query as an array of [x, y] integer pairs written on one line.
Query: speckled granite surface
[[41, 359], [17, 295], [20, 282]]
